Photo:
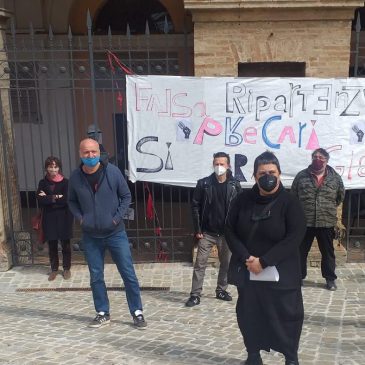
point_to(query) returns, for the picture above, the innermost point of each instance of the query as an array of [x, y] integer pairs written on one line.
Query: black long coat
[[270, 314], [57, 219], [276, 240]]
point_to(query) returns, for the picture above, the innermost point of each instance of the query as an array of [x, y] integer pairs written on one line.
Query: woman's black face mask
[[268, 182]]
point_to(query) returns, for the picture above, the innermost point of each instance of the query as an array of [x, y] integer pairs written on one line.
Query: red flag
[[149, 207]]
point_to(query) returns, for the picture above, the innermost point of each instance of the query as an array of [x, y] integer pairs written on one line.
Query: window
[[271, 69]]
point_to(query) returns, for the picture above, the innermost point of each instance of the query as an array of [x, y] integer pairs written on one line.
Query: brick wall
[[315, 32], [324, 46]]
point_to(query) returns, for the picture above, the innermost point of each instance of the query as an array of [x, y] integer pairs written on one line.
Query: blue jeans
[[118, 246]]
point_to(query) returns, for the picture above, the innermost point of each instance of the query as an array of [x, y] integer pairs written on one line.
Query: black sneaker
[[139, 321], [223, 295], [254, 359], [331, 285], [100, 320], [192, 301]]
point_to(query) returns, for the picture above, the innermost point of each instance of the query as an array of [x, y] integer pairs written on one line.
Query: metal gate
[[57, 86], [354, 205]]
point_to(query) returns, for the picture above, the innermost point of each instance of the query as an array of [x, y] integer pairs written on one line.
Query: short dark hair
[[264, 159], [323, 152], [222, 154], [50, 160]]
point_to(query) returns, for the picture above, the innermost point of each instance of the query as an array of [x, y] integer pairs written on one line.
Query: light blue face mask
[[90, 161]]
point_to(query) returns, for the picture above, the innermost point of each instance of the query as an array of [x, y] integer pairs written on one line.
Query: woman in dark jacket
[[265, 228], [56, 218]]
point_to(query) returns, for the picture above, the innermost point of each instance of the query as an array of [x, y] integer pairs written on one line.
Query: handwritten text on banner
[[176, 124]]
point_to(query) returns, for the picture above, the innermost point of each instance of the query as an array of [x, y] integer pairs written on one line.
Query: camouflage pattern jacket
[[319, 203]]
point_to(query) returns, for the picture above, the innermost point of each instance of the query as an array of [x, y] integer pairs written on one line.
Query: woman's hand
[[253, 265], [42, 193], [199, 236]]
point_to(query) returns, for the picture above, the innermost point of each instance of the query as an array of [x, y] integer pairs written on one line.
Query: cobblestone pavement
[[50, 327]]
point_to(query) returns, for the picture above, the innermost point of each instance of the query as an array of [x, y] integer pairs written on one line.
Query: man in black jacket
[[212, 198]]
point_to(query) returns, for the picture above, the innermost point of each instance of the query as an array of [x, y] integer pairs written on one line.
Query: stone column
[[9, 194], [227, 32]]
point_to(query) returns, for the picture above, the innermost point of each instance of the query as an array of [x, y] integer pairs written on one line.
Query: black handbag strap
[[264, 212]]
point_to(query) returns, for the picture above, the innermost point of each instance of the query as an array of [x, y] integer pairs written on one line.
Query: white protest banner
[[176, 124]]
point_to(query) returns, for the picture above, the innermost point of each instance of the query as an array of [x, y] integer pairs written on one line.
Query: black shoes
[[100, 320], [192, 301], [254, 358], [220, 294], [223, 295], [139, 321], [331, 285]]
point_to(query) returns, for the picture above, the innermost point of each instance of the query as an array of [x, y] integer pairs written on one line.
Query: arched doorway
[[118, 14]]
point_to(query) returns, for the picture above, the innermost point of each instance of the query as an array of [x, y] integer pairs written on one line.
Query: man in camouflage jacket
[[320, 190]]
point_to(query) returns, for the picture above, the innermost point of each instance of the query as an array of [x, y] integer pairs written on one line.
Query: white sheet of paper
[[270, 273]]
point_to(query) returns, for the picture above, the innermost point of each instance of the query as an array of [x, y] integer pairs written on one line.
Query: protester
[[56, 218], [212, 198], [99, 197], [320, 189], [265, 227]]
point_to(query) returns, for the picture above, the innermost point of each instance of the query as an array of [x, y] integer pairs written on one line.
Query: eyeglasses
[[261, 217]]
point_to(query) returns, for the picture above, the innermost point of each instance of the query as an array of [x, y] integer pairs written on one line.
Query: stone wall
[[7, 165]]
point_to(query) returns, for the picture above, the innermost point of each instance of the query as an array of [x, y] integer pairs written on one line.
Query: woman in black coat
[[265, 228], [57, 220]]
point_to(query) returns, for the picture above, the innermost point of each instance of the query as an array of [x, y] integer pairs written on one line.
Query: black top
[[94, 178], [278, 235], [56, 218], [219, 206]]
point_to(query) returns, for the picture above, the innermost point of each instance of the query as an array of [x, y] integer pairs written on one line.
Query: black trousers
[[53, 254], [270, 318], [325, 238]]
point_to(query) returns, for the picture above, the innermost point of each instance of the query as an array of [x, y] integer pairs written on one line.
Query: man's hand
[[253, 265], [42, 193]]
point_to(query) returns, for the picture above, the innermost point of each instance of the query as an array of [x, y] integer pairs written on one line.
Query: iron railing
[[60, 84]]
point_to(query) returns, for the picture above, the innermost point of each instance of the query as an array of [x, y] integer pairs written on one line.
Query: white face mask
[[220, 170], [53, 171]]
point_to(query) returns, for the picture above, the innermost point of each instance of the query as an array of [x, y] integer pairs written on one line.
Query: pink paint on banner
[[210, 127]]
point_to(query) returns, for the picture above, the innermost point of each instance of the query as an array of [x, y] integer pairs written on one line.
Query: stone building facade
[[229, 35]]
